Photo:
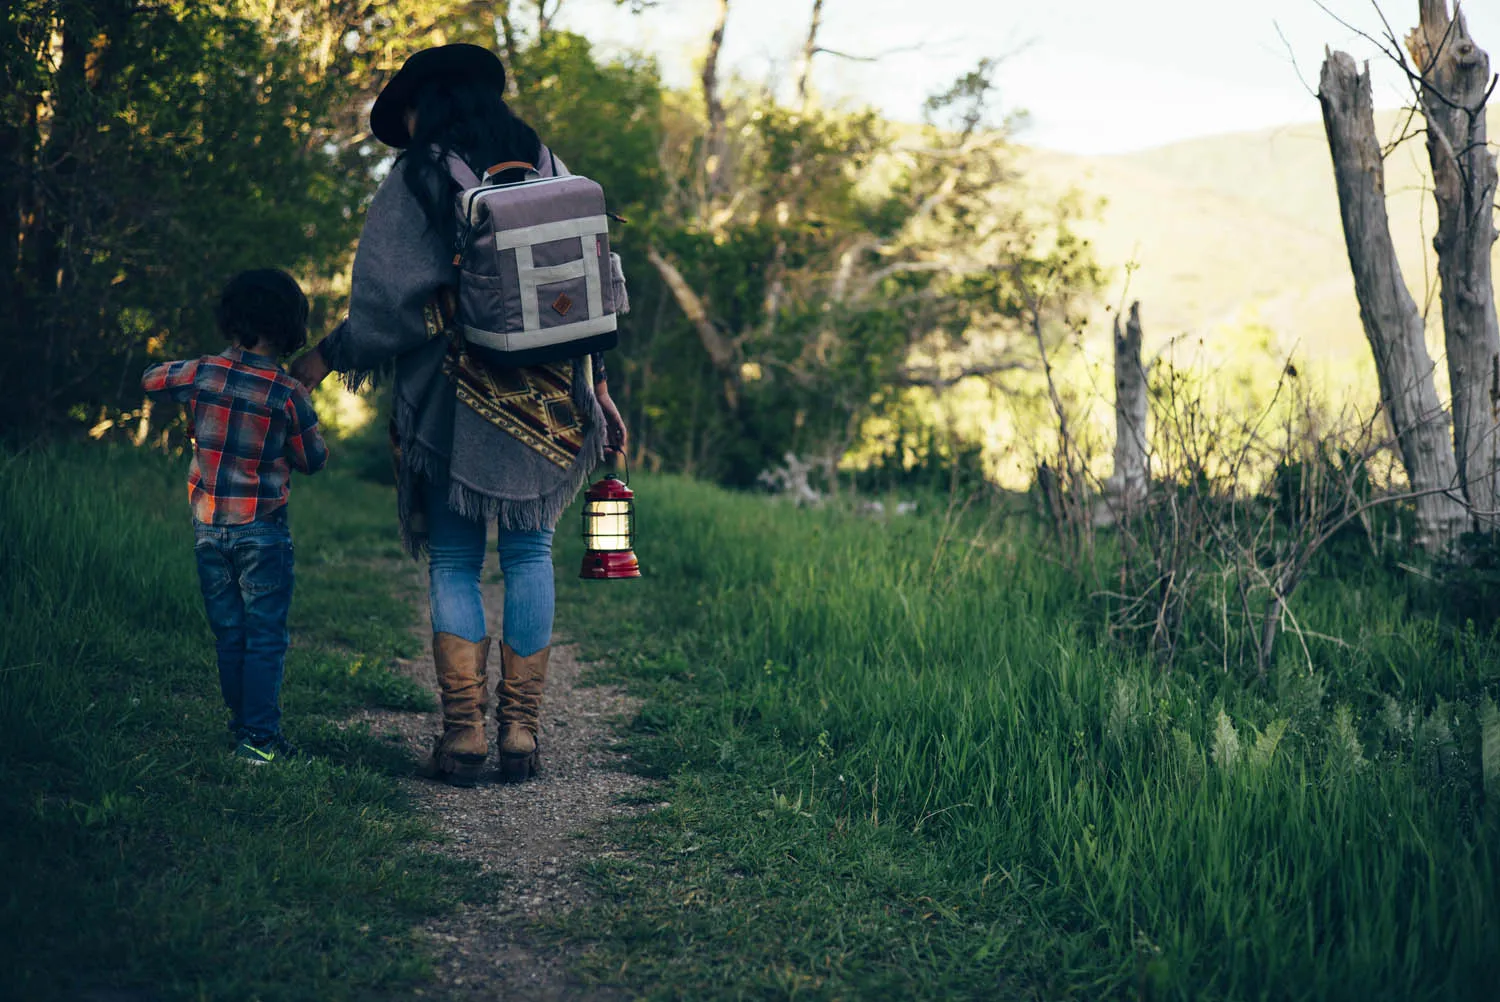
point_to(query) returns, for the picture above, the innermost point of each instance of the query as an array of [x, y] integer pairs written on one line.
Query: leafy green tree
[[793, 269], [150, 152], [829, 265]]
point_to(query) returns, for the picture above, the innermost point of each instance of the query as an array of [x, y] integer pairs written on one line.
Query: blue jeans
[[455, 560], [245, 572]]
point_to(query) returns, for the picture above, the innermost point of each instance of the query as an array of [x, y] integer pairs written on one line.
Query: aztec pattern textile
[[533, 405], [251, 425]]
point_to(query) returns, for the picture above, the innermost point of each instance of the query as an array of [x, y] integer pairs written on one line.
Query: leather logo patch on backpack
[[562, 304]]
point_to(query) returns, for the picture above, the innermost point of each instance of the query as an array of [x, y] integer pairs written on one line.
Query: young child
[[251, 425]]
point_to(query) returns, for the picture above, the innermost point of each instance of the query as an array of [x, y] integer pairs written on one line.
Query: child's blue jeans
[[455, 561], [246, 575]]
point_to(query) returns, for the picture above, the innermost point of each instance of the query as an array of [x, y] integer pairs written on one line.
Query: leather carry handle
[[508, 165]]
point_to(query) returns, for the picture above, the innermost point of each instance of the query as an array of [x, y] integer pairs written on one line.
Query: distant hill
[[1238, 229]]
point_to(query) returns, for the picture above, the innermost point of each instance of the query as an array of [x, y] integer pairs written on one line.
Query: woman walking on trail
[[475, 444]]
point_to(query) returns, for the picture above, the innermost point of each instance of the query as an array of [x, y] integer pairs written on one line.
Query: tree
[[814, 295], [1392, 322], [1453, 85], [1129, 482], [792, 267], [148, 151]]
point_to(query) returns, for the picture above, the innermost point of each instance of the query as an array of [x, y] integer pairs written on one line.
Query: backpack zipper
[[475, 193]]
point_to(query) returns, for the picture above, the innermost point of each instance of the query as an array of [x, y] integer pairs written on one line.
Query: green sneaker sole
[[250, 752]]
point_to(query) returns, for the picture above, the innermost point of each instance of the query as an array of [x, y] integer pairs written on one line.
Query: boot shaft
[[519, 698], [461, 676]]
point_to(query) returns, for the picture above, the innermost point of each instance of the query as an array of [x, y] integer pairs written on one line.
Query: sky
[[1095, 76]]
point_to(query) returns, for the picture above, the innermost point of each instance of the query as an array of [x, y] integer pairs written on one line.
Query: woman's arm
[[399, 266], [617, 436]]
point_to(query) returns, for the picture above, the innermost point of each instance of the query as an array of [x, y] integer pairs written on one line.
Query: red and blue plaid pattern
[[251, 423]]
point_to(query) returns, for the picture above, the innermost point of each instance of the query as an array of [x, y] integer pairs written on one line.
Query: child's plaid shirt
[[251, 425]]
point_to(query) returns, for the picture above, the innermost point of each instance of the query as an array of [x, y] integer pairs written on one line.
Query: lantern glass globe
[[609, 525]]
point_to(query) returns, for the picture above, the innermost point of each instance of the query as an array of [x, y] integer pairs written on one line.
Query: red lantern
[[609, 531]]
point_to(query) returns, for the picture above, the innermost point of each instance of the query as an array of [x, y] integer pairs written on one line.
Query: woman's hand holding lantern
[[617, 435]]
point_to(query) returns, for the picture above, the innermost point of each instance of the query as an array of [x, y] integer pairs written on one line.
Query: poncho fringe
[[421, 464]]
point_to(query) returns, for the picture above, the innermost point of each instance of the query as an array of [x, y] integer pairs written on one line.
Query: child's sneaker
[[272, 749]]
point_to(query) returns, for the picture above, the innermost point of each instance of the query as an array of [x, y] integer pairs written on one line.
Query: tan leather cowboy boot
[[459, 752], [519, 699]]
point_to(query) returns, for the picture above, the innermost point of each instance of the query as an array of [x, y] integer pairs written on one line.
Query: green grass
[[134, 852], [900, 765], [899, 760]]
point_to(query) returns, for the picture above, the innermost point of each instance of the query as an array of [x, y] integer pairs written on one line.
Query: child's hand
[[310, 369]]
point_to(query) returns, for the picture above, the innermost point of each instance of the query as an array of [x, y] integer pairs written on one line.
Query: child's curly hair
[[265, 303]]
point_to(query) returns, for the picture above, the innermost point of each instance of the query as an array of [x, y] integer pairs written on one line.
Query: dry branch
[[936, 377], [720, 351], [809, 50], [713, 142]]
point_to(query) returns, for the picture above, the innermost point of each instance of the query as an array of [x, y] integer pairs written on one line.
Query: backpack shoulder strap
[[462, 172], [550, 165], [464, 176]]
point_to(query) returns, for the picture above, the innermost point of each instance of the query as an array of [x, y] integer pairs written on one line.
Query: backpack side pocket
[[617, 285]]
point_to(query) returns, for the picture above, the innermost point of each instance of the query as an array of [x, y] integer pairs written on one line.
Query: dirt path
[[527, 841]]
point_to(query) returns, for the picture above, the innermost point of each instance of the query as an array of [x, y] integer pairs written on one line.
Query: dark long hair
[[456, 115]]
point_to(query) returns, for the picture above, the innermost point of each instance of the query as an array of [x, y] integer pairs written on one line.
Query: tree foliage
[[837, 263], [149, 150], [793, 269]]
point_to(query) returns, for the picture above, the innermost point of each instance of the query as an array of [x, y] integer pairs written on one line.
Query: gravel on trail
[[527, 841]]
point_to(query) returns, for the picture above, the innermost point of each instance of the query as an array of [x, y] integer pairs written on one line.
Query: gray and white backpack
[[537, 280]]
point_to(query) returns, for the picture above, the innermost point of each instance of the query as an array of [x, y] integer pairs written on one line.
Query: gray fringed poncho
[[400, 265]]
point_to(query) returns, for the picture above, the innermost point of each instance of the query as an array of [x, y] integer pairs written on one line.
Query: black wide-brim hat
[[473, 62]]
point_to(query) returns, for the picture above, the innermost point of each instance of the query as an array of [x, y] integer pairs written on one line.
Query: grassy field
[[902, 764], [135, 853], [1233, 230]]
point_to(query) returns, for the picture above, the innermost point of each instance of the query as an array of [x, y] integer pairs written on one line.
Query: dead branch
[[720, 351], [937, 378], [873, 58], [809, 50], [713, 142]]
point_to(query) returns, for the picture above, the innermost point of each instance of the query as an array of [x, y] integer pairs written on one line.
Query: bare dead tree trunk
[[1128, 484], [1391, 319], [143, 425], [713, 105], [1453, 93], [544, 17], [720, 351], [776, 268], [508, 39], [809, 50]]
